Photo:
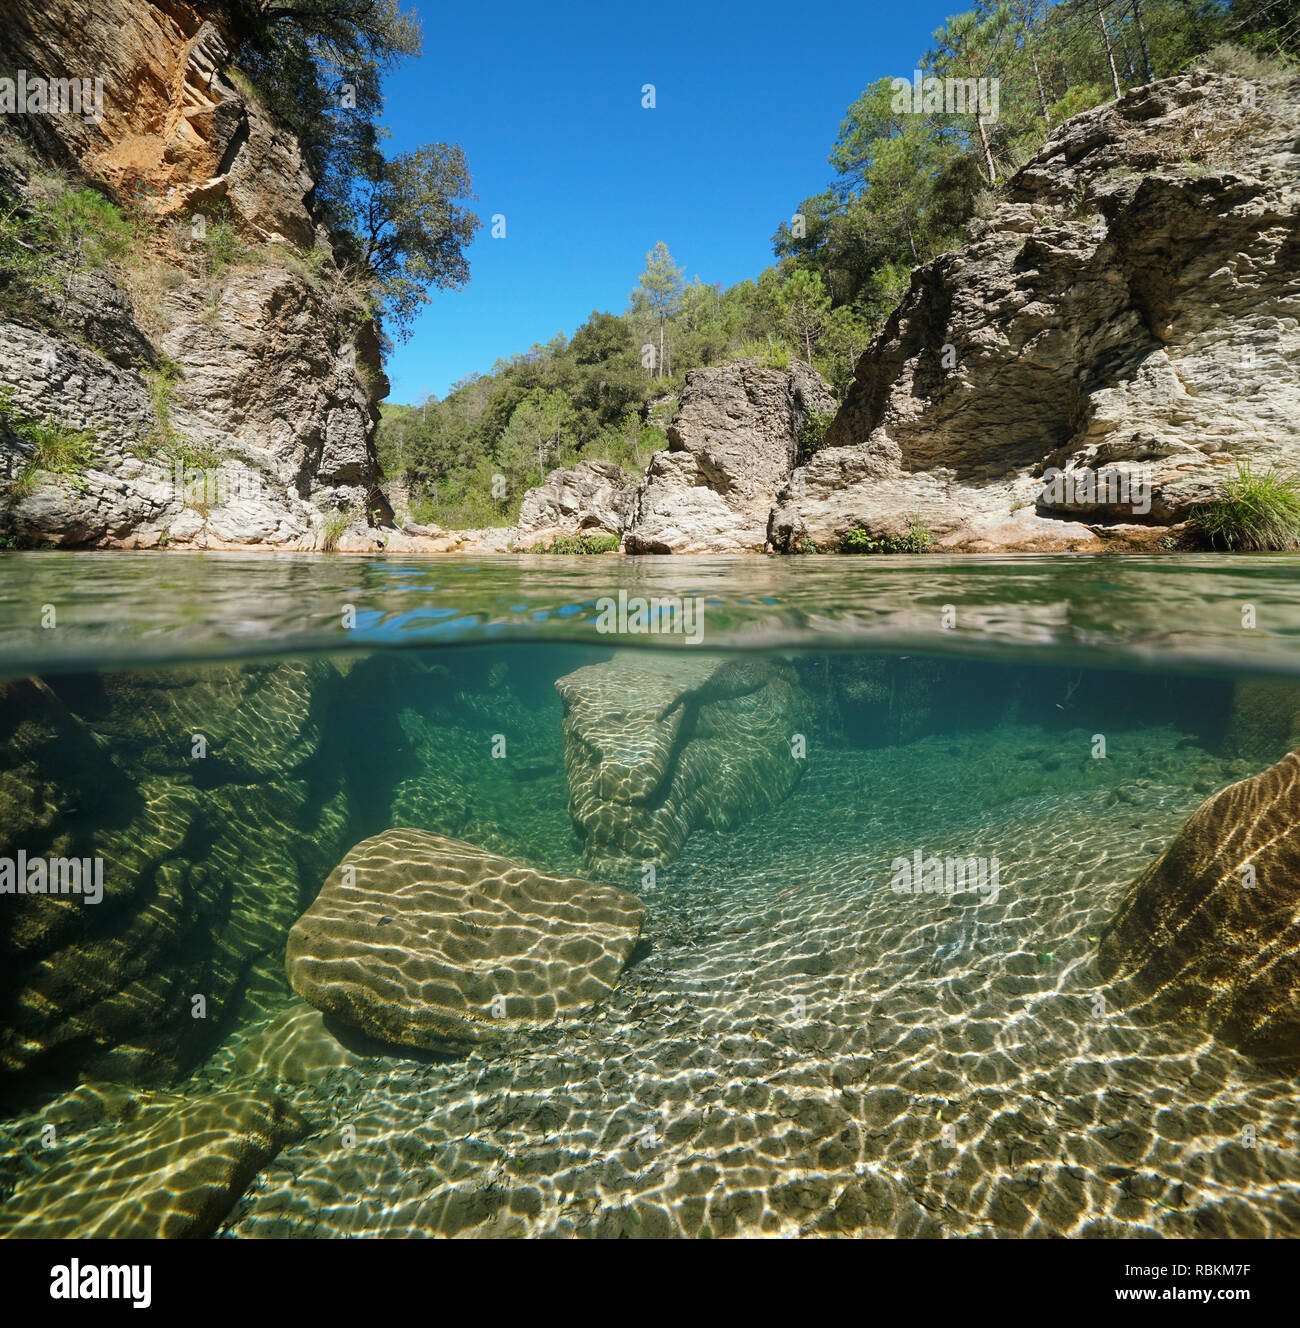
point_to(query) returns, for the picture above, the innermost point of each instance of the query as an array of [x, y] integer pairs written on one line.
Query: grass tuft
[[581, 544], [1256, 511]]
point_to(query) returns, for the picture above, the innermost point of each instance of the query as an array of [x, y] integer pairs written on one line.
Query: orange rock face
[[173, 122]]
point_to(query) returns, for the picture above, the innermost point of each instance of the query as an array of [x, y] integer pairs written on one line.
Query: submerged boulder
[[421, 940], [1212, 930], [657, 745], [731, 446], [152, 1165], [191, 889]]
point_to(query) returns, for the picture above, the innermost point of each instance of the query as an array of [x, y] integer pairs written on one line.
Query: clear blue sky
[[546, 102]]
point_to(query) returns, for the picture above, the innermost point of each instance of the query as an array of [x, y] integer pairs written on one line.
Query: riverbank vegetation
[[905, 184]]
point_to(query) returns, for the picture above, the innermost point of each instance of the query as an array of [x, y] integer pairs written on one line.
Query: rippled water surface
[[792, 1044], [129, 607]]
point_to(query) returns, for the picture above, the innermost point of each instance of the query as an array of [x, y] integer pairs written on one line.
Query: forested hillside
[[910, 169]]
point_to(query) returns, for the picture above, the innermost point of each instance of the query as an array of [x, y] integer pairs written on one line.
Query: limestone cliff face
[[1129, 310], [731, 445], [227, 374]]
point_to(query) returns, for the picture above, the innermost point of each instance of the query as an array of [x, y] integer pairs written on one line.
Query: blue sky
[[546, 102]]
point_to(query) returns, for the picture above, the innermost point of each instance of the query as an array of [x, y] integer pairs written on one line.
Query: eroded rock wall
[[230, 390], [1129, 307]]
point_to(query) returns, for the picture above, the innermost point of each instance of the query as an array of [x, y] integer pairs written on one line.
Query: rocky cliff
[[731, 445], [184, 362], [1117, 335], [1125, 316]]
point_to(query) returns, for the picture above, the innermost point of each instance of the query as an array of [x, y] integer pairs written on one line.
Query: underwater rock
[[423, 941], [658, 745], [255, 719], [203, 862], [165, 1166], [296, 1046], [1212, 930], [1264, 721]]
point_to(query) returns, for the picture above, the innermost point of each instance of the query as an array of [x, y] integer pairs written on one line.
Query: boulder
[[593, 497], [159, 1165], [425, 941], [1211, 932], [195, 890], [1124, 315], [731, 446], [657, 745]]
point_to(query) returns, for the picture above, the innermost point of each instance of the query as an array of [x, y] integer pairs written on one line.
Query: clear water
[[794, 1047]]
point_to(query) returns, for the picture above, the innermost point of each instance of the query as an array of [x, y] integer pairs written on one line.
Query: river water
[[770, 755]]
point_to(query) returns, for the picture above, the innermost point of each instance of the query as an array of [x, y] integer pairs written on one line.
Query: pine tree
[[660, 290]]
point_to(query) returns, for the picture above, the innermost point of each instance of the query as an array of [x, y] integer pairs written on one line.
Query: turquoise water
[[773, 1038]]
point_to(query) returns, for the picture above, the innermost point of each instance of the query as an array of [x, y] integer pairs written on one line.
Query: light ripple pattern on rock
[[423, 941], [154, 1165], [658, 745], [1212, 930]]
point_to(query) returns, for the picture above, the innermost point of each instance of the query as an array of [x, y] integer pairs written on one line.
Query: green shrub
[[917, 540], [24, 269], [581, 544], [1253, 512], [55, 449], [161, 382], [814, 431], [221, 246], [88, 228], [770, 352]]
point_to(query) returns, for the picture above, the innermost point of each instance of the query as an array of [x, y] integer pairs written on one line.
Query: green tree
[[804, 307], [318, 65], [413, 230], [537, 425], [659, 290], [968, 47]]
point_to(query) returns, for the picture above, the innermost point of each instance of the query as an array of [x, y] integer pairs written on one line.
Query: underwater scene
[[893, 898]]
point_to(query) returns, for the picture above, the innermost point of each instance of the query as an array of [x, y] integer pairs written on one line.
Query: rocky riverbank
[[1115, 337], [199, 371]]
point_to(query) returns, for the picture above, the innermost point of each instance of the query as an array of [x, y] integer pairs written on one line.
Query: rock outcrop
[[170, 781], [1211, 932], [222, 369], [657, 745], [153, 1166], [1126, 315], [732, 445], [425, 941], [593, 497]]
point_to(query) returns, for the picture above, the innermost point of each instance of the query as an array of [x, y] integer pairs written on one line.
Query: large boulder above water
[[593, 497], [1211, 931], [1126, 309], [425, 941], [657, 744], [731, 446]]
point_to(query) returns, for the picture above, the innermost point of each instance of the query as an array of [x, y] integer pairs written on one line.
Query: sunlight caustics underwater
[[431, 907]]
